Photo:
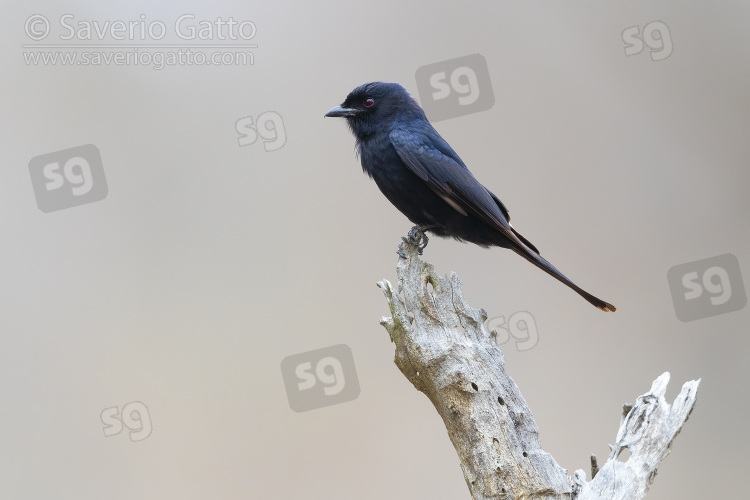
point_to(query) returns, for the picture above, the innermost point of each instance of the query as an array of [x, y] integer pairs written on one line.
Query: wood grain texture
[[444, 350]]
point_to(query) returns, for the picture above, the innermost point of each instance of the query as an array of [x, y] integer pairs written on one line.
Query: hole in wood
[[474, 386], [624, 455], [525, 454], [500, 400]]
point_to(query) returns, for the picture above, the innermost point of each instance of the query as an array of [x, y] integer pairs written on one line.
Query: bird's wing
[[427, 155], [448, 177]]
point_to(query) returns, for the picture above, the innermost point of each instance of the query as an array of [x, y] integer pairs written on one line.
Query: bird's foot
[[417, 238]]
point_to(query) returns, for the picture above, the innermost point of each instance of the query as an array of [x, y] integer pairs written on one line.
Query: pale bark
[[444, 350]]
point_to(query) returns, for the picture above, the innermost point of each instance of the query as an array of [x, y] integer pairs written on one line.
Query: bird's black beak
[[339, 111]]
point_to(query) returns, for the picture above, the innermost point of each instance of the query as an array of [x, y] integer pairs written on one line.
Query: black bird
[[426, 180]]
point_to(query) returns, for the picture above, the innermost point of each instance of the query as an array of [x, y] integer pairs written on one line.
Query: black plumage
[[426, 180]]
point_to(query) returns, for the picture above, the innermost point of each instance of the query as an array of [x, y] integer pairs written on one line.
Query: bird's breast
[[402, 187]]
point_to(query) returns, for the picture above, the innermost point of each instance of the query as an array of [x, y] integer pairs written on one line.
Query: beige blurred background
[[209, 262]]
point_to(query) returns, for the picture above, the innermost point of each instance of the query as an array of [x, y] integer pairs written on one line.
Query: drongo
[[426, 180]]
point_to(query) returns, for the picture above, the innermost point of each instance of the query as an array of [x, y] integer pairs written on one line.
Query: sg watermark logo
[[134, 416], [707, 287], [68, 178], [655, 36], [319, 378], [269, 126], [521, 327], [455, 87]]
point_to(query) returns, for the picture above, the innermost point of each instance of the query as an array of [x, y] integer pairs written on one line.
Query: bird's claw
[[415, 237]]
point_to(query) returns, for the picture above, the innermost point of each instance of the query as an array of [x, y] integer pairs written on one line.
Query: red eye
[[369, 102]]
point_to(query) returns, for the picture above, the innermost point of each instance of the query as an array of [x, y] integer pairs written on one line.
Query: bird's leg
[[417, 237]]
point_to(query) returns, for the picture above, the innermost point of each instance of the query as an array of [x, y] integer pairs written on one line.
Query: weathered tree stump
[[444, 350]]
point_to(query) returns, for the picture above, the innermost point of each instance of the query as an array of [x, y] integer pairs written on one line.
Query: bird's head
[[375, 107]]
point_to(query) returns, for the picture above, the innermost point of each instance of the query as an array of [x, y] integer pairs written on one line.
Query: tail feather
[[524, 240], [530, 253]]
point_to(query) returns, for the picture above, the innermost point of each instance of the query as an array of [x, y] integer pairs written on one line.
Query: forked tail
[[532, 255]]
